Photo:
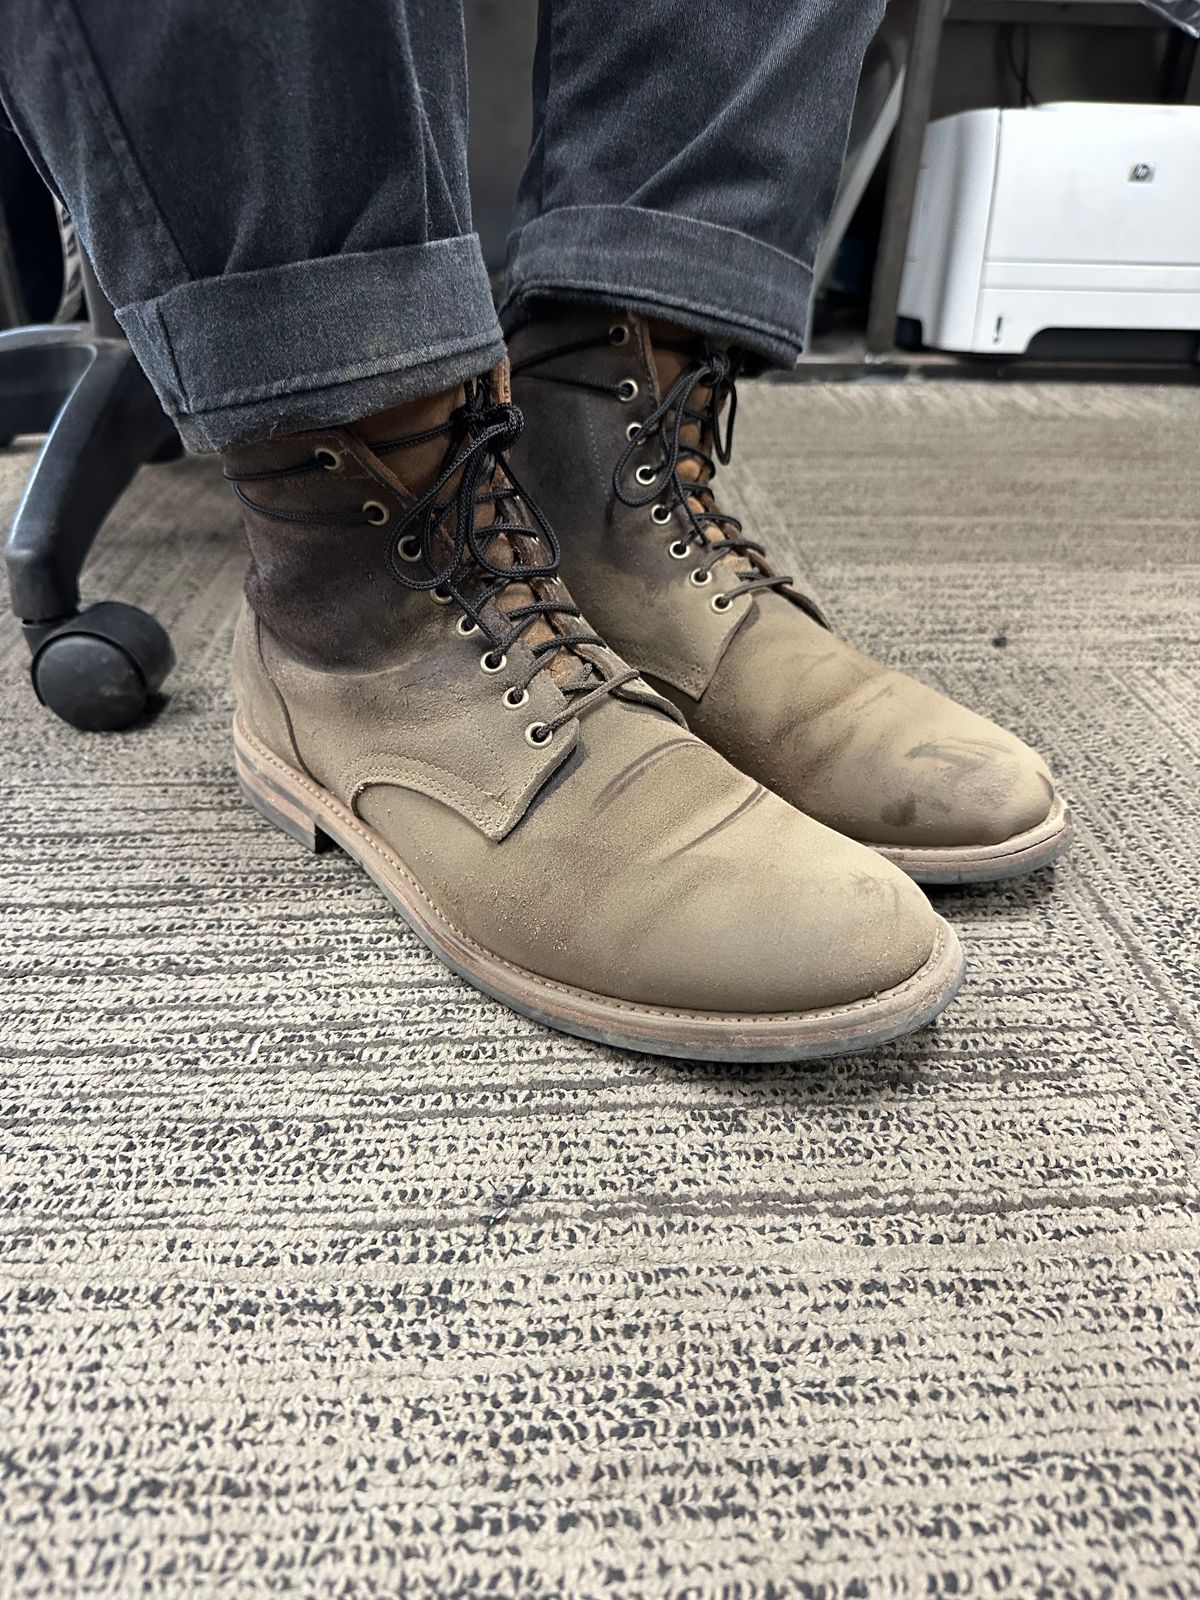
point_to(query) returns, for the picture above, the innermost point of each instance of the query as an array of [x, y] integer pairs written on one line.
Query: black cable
[[1020, 71]]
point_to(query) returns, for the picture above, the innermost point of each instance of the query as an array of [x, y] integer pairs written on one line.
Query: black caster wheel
[[100, 670]]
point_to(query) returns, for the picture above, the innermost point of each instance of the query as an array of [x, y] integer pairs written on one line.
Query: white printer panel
[[1092, 221]]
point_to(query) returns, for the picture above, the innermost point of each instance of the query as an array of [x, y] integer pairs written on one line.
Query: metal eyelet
[[619, 333], [441, 596], [632, 431], [699, 578], [720, 602], [661, 515], [409, 548], [331, 460], [538, 734], [646, 474], [521, 698], [490, 662], [466, 627], [678, 550], [627, 390], [376, 512]]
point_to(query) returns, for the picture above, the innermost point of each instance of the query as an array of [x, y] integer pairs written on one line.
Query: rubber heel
[[279, 808]]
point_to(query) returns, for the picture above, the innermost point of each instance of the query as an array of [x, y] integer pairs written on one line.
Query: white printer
[[1057, 216]]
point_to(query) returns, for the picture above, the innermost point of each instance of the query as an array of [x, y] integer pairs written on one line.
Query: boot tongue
[[418, 466], [674, 349], [669, 363]]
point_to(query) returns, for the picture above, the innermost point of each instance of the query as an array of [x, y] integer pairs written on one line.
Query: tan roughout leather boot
[[414, 684], [626, 423]]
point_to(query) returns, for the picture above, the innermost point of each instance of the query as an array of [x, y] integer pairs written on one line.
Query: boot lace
[[663, 484], [439, 532]]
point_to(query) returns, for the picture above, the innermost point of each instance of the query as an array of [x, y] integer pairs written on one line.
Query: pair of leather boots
[[680, 816]]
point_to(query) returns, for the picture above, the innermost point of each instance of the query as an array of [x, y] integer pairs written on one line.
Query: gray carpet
[[321, 1275]]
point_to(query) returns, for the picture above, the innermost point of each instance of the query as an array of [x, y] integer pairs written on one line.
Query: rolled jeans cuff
[[706, 276], [311, 344]]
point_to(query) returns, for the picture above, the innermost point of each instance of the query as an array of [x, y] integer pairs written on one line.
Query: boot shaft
[[353, 530], [319, 526], [627, 422]]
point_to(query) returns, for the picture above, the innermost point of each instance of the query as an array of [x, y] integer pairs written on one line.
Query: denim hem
[[311, 344], [701, 274]]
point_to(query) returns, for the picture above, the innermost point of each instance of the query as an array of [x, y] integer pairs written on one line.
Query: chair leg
[[101, 667]]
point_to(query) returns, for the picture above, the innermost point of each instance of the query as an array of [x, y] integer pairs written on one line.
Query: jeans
[[273, 193]]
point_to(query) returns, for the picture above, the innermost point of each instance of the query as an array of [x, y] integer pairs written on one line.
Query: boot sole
[[312, 816], [988, 863]]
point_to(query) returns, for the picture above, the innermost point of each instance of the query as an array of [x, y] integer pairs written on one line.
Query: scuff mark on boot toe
[[900, 813]]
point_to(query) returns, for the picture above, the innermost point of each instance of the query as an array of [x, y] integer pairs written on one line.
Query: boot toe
[[922, 771], [1015, 795], [968, 788], [824, 924]]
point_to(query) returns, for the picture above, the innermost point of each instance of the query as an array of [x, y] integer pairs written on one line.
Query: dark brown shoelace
[[479, 433]]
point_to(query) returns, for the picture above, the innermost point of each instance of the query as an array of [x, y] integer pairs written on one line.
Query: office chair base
[[98, 667]]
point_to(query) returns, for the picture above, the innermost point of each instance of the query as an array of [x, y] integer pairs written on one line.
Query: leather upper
[[861, 747]]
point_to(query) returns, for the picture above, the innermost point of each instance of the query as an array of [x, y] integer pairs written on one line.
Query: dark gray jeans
[[274, 192]]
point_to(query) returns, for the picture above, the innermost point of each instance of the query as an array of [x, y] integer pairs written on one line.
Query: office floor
[[321, 1274]]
